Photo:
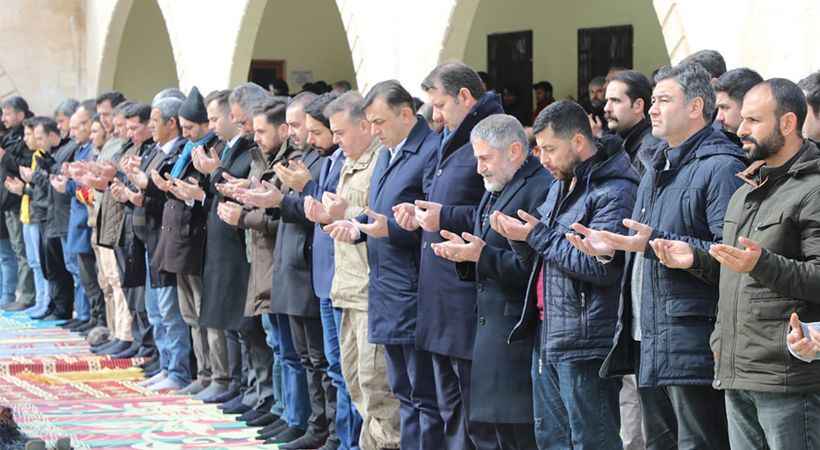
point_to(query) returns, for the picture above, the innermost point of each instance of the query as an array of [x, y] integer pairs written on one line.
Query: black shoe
[[332, 443], [147, 352], [308, 440], [287, 435], [253, 414], [273, 429], [151, 373], [104, 346], [69, 324], [78, 324], [231, 395], [129, 352], [85, 329], [53, 317], [153, 367], [263, 420], [118, 347], [241, 408]]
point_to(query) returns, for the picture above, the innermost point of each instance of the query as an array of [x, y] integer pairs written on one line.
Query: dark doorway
[[264, 71], [598, 50], [509, 64]]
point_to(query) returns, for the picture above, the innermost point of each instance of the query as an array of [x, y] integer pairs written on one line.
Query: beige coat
[[350, 282]]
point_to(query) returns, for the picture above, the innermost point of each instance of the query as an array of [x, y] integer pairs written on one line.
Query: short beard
[[770, 145]]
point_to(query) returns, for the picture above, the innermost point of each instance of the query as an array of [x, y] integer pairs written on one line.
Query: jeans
[[770, 420], [294, 385], [348, 420], [175, 346], [82, 310], [31, 237], [575, 408], [155, 319], [8, 272], [271, 338], [25, 292]]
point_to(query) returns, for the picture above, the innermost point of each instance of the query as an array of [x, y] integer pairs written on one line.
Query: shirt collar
[[169, 146], [233, 140], [394, 151]]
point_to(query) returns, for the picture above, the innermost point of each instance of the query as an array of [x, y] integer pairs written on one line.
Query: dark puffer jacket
[[580, 293], [684, 201]]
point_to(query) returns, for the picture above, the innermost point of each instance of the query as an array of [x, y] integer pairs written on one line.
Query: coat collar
[[530, 167], [364, 161]]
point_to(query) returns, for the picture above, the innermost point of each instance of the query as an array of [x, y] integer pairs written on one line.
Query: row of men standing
[[349, 277]]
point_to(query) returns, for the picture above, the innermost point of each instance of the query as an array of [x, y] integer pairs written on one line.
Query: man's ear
[[788, 123]]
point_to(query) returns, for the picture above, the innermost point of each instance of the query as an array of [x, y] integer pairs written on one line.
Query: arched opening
[[296, 41], [520, 43], [145, 63]]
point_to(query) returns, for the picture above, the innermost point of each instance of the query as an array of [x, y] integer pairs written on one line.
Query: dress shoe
[[195, 387], [78, 324], [70, 323], [88, 325], [147, 363], [130, 352], [235, 401], [168, 384], [241, 408], [287, 435], [308, 440], [53, 317], [263, 420], [332, 443], [104, 346], [272, 429], [152, 373], [16, 306], [119, 347], [213, 390], [161, 375], [225, 397], [147, 352], [252, 414]]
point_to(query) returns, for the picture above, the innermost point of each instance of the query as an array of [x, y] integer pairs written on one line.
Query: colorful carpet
[[95, 400]]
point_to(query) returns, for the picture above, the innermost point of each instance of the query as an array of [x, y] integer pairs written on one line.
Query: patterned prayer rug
[[57, 388]]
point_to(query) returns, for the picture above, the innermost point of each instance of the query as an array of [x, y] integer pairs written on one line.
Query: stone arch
[[147, 44], [263, 34]]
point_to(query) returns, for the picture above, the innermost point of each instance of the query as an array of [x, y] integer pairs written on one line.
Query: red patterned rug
[[96, 401]]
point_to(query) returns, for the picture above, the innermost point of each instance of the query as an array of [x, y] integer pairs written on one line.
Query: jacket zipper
[[545, 326]]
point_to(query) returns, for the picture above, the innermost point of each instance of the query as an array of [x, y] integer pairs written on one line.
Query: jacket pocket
[[768, 222], [685, 309]]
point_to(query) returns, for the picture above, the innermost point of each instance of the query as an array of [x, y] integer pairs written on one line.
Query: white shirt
[[168, 146], [395, 151]]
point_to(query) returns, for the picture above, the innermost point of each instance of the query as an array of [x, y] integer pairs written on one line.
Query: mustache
[[750, 140]]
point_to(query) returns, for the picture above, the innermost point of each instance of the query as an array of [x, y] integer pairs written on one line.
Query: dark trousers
[[140, 327], [410, 374], [91, 286], [452, 379], [308, 340], [773, 421], [260, 360], [60, 281], [503, 436], [234, 347], [684, 418]]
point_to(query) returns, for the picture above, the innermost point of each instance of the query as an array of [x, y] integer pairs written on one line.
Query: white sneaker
[[153, 380], [166, 384]]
